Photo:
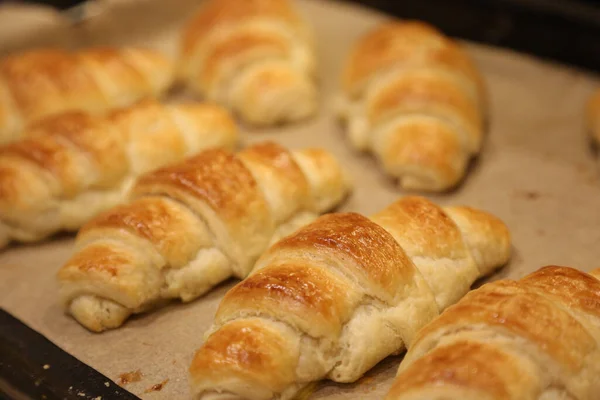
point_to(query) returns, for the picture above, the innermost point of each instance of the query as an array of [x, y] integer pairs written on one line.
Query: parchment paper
[[536, 172]]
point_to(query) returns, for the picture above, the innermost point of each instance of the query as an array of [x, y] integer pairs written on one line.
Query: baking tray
[[537, 172]]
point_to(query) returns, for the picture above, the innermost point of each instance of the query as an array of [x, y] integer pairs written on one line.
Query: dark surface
[[23, 355], [563, 30]]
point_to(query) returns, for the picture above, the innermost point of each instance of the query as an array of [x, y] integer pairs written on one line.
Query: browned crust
[[425, 226], [99, 140], [220, 12], [307, 296], [518, 310], [247, 350], [48, 81], [371, 248], [101, 258], [484, 223], [217, 177], [405, 43], [155, 219], [538, 309], [23, 188], [274, 155], [148, 218], [39, 77], [593, 116], [118, 67], [572, 287], [425, 94], [473, 366], [428, 149], [281, 162], [235, 45], [49, 155]]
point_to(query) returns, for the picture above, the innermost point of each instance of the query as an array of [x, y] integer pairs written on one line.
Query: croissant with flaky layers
[[38, 83], [256, 56], [191, 226], [413, 98], [593, 117], [341, 294], [74, 165], [537, 338]]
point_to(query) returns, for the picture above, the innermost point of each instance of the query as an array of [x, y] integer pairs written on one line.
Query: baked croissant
[[593, 117], [256, 56], [341, 294], [413, 98], [74, 165], [191, 226], [537, 338], [38, 83]]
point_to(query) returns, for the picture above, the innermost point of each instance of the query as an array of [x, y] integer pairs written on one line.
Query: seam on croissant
[[395, 117], [389, 73], [216, 242], [227, 86], [212, 235], [506, 339]]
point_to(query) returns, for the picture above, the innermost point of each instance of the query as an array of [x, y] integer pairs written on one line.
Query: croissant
[[73, 165], [532, 339], [39, 83], [192, 225], [413, 98], [341, 294], [593, 117], [256, 56]]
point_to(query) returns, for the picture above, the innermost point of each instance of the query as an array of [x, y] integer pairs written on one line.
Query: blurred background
[[566, 31]]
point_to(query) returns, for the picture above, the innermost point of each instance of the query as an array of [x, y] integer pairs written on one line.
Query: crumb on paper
[[46, 366], [529, 194], [158, 387], [107, 384], [130, 377]]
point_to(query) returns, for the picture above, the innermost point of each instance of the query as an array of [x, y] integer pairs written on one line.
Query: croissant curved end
[[595, 273], [487, 237], [273, 93], [98, 314], [158, 69], [219, 396], [593, 116]]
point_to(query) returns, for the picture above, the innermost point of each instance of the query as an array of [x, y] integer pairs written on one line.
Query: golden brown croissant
[[38, 83], [256, 56], [593, 117], [341, 294], [193, 225], [74, 165], [537, 338], [414, 99]]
